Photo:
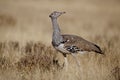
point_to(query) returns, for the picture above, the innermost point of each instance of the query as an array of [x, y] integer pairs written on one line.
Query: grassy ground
[[25, 39]]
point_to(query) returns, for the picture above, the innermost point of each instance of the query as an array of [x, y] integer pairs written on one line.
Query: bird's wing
[[75, 43]]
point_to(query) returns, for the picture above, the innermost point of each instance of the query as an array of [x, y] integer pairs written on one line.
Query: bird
[[68, 43]]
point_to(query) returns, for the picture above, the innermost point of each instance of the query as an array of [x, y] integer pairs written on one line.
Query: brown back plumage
[[81, 43]]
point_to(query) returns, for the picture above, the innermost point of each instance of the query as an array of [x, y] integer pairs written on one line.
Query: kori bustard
[[70, 44]]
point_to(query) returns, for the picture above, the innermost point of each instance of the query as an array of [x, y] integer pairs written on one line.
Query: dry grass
[[33, 56], [25, 39], [36, 61]]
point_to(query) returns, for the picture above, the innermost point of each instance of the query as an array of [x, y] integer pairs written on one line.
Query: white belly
[[62, 49]]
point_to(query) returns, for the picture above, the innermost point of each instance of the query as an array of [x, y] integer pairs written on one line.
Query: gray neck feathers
[[56, 38]]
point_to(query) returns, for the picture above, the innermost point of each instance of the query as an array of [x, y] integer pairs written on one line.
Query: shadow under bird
[[70, 44]]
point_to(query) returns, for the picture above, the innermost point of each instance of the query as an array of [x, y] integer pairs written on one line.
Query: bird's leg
[[65, 62], [78, 63]]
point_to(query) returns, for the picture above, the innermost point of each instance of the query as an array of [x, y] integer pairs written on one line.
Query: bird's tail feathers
[[97, 49]]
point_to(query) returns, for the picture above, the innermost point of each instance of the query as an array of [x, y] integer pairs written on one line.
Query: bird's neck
[[55, 25], [56, 38]]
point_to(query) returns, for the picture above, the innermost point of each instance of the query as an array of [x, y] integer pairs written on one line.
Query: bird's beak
[[63, 12]]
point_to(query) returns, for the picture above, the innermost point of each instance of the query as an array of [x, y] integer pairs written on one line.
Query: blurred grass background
[[28, 20], [25, 39]]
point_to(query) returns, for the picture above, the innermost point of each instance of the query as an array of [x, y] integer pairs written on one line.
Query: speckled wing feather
[[80, 44]]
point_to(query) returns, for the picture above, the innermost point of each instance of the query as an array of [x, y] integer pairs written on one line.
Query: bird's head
[[56, 14]]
